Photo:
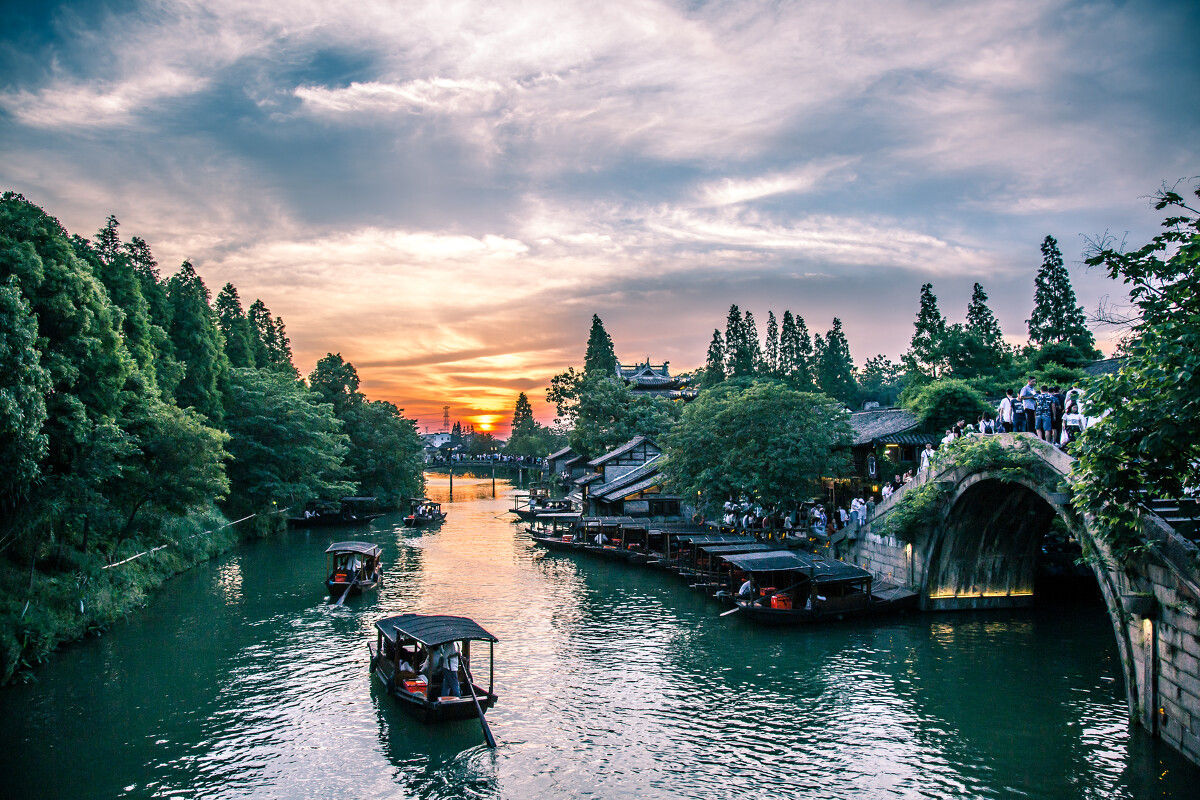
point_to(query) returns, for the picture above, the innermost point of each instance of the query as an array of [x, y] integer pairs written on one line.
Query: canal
[[242, 680]]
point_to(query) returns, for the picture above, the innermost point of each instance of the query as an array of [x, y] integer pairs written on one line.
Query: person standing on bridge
[[1028, 392], [1004, 413]]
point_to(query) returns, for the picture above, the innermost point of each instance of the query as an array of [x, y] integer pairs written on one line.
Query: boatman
[[747, 590], [450, 662]]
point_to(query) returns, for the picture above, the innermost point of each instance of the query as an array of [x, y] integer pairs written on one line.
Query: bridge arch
[[981, 548]]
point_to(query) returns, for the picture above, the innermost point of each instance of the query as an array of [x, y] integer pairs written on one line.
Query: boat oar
[[346, 593], [487, 731]]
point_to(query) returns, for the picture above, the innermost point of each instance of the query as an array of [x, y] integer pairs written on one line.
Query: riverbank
[[66, 596]]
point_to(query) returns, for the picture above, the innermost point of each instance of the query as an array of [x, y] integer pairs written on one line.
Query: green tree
[[564, 394], [796, 353], [522, 418], [756, 437], [178, 463], [940, 404], [608, 414], [272, 347], [925, 356], [753, 350], [879, 380], [168, 371], [23, 386], [286, 445], [737, 345], [1147, 445], [235, 327], [600, 356], [982, 323], [835, 367], [714, 363], [198, 344], [335, 381], [771, 353], [1056, 316]]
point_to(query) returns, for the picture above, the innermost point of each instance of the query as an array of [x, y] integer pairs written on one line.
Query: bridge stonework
[[981, 551]]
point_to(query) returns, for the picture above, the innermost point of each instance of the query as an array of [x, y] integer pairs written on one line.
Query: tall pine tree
[[239, 336], [835, 367], [1056, 318], [754, 357], [600, 356], [925, 352], [522, 420], [772, 349], [714, 364], [981, 322], [198, 343]]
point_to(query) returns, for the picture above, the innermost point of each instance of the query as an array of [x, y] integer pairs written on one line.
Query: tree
[[23, 386], [925, 351], [198, 344], [609, 414], [737, 347], [940, 404], [835, 367], [714, 364], [1146, 445], [564, 394], [772, 349], [287, 446], [235, 326], [879, 380], [178, 464], [753, 358], [796, 353], [756, 437], [981, 322], [600, 356], [522, 419], [168, 372], [385, 458], [1056, 317], [272, 348]]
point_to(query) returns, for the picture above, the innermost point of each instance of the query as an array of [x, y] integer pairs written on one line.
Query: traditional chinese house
[[655, 380], [886, 441], [627, 482]]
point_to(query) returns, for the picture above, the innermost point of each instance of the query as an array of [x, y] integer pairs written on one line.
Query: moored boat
[[416, 655], [790, 588], [348, 512], [352, 568]]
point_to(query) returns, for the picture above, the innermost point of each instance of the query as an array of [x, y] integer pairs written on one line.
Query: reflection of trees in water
[[448, 760]]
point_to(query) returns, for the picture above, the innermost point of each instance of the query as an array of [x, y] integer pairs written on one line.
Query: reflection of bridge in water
[[981, 551]]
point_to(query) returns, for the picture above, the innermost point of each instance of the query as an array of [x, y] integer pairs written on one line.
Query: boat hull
[[552, 543], [332, 521], [434, 711], [337, 588]]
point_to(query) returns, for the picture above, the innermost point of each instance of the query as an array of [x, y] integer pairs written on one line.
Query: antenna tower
[[445, 419]]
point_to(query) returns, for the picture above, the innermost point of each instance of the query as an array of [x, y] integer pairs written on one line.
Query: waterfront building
[[626, 481], [655, 380]]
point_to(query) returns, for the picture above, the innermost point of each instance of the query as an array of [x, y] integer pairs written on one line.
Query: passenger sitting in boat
[[747, 590], [601, 539]]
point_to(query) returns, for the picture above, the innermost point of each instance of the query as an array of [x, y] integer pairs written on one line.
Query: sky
[[445, 193]]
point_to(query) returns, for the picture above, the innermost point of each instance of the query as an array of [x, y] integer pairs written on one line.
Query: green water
[[242, 680]]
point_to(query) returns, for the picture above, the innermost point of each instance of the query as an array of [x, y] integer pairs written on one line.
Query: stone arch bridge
[[980, 550]]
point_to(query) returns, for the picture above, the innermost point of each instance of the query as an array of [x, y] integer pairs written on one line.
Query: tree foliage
[[609, 414], [835, 367], [939, 405], [756, 437], [1056, 316], [600, 356], [925, 356], [1146, 444]]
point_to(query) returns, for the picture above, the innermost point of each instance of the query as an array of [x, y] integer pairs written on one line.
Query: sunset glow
[[444, 195]]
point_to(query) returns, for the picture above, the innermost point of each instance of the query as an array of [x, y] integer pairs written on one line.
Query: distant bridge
[[981, 551]]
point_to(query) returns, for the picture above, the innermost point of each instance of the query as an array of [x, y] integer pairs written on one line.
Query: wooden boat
[[348, 512], [403, 657], [790, 588], [556, 531], [352, 567], [710, 571], [424, 512], [538, 502], [682, 554]]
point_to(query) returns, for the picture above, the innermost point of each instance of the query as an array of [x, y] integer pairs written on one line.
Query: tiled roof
[[1106, 366], [869, 426], [591, 477], [560, 454], [620, 451], [619, 484]]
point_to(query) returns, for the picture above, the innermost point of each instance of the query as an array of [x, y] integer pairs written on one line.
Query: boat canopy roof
[[823, 570], [366, 548], [708, 538], [749, 547], [432, 630], [564, 515]]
